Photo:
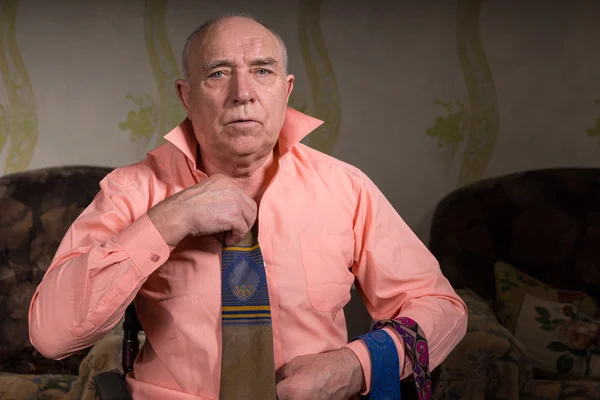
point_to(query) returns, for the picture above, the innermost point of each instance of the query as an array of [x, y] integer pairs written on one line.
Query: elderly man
[[239, 246]]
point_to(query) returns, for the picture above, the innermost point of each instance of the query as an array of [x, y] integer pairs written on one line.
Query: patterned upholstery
[[544, 222], [37, 207]]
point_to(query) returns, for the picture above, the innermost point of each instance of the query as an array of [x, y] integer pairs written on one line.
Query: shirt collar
[[295, 127]]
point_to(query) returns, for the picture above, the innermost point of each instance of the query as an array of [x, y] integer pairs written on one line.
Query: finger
[[210, 181], [249, 210], [243, 199], [245, 217], [278, 377], [285, 371], [283, 391], [239, 228], [242, 216], [230, 240]]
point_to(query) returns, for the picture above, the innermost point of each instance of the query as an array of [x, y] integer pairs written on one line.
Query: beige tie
[[248, 367]]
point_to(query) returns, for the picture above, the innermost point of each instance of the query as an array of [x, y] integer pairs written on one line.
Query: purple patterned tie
[[416, 349]]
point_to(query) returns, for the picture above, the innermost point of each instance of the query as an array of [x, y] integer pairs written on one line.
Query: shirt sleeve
[[397, 276], [101, 263]]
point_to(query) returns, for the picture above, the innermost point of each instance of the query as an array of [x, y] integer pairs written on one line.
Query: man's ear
[[183, 92], [289, 81]]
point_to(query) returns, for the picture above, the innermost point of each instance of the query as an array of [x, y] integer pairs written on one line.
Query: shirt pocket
[[327, 260]]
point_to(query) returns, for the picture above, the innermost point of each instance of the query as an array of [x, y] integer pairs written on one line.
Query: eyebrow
[[262, 61]]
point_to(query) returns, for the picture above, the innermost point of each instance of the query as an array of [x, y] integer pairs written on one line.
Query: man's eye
[[218, 74], [263, 72]]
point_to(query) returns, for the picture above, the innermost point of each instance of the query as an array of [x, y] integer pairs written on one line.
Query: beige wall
[[527, 74]]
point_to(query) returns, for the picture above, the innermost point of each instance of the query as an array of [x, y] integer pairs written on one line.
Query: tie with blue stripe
[[248, 367]]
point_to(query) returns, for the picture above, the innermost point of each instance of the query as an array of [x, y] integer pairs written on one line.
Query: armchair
[[37, 207], [543, 221]]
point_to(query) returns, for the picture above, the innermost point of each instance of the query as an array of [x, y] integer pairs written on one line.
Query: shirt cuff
[[405, 364], [362, 353], [145, 245]]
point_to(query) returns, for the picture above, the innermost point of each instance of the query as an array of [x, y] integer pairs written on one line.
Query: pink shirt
[[323, 224]]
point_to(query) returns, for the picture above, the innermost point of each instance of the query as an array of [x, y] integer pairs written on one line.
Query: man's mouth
[[243, 121]]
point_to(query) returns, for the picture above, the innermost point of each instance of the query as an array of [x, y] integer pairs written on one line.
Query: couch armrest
[[488, 363], [104, 356], [111, 386]]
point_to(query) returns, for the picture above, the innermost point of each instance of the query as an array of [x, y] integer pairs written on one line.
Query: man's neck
[[252, 177]]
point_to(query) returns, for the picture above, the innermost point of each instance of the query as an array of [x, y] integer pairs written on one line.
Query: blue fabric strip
[[385, 366]]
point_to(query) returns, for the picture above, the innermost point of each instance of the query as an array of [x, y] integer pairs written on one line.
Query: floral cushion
[[554, 325], [489, 363], [546, 222], [104, 356], [29, 361], [566, 390]]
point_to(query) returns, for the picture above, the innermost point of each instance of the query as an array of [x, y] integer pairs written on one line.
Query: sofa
[[523, 251], [37, 207]]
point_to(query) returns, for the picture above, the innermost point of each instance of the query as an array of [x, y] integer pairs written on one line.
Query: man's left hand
[[335, 375]]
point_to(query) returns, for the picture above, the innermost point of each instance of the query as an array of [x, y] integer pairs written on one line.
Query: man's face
[[237, 92]]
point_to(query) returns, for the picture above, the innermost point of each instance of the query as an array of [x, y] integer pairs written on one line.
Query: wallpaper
[[18, 116], [474, 122], [152, 116], [323, 86], [155, 116], [423, 97], [471, 124], [595, 131]]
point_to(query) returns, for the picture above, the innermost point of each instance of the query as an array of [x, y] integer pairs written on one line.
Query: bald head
[[235, 92], [197, 40]]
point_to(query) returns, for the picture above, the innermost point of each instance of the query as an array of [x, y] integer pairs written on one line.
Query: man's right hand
[[214, 205]]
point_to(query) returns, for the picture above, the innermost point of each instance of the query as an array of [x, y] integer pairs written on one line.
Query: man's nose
[[242, 90]]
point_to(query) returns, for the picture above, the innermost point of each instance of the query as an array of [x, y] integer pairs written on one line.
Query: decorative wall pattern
[[473, 128], [18, 117], [478, 122], [512, 84], [595, 131], [154, 118], [323, 85]]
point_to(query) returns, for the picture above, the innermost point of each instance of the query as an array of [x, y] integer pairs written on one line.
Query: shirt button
[[154, 257]]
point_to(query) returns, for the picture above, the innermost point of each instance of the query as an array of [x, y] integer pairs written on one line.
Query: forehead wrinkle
[[224, 36], [239, 23], [226, 52]]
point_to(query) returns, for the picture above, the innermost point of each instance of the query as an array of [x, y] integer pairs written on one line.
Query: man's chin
[[250, 151], [248, 145], [244, 152]]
